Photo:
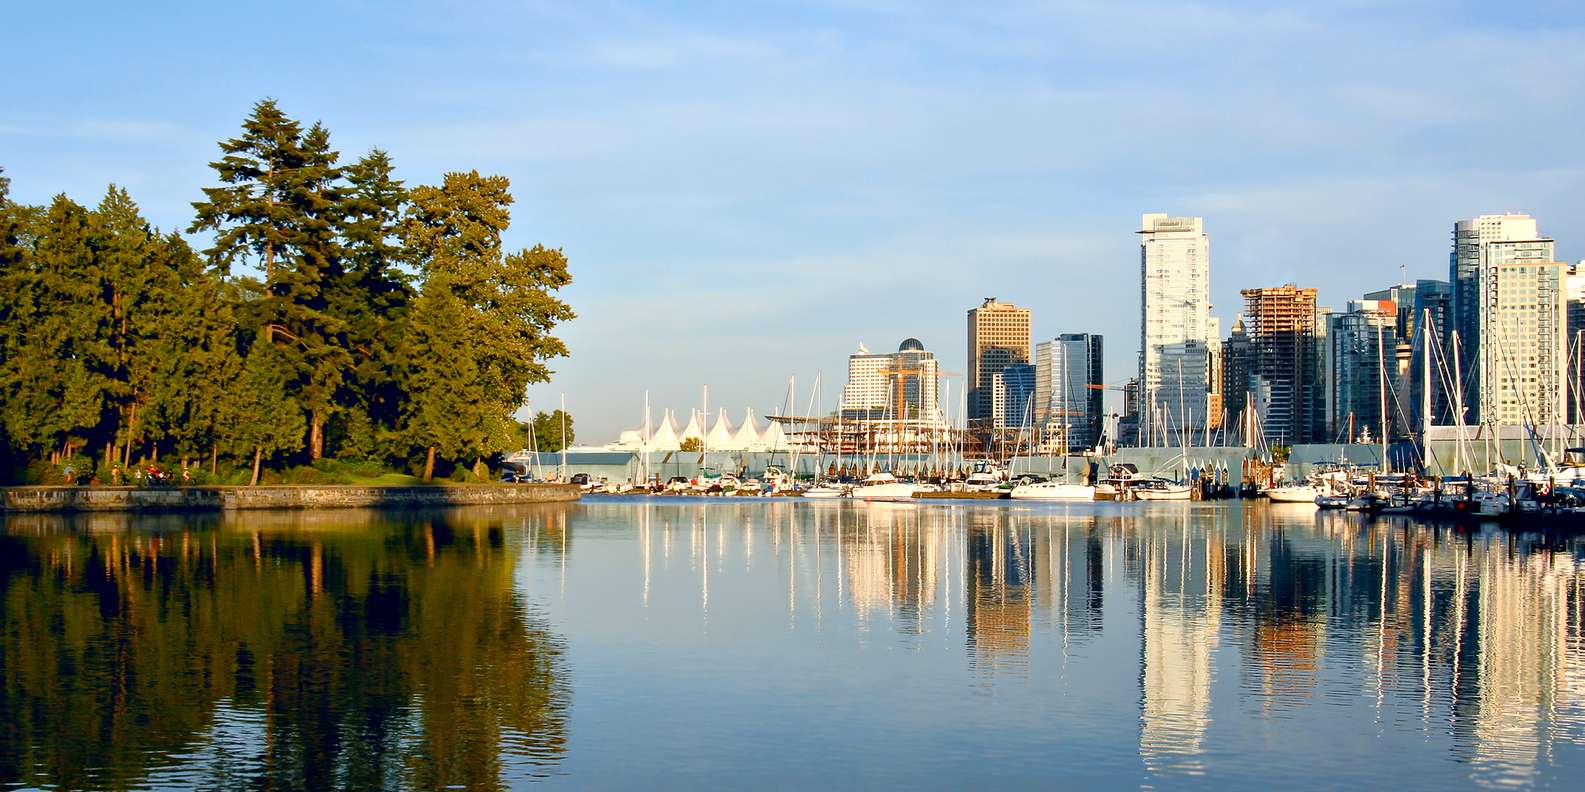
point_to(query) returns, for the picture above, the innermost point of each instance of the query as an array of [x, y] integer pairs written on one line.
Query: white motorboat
[[1160, 489], [886, 487], [825, 491], [1054, 490], [1293, 493], [986, 477]]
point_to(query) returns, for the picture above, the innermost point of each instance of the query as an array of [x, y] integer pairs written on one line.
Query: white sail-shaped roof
[[720, 438], [773, 439], [693, 430], [664, 438], [747, 437]]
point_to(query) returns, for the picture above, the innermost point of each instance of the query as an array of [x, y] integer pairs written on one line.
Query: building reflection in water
[[1478, 636], [1181, 578]]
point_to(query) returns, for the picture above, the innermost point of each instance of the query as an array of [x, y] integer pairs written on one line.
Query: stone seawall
[[173, 499]]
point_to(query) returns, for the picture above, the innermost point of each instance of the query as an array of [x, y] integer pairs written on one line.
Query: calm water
[[687, 643]]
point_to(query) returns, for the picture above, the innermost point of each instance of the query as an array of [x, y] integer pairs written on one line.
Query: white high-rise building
[[875, 380], [1524, 335], [868, 385], [1175, 313], [1465, 266]]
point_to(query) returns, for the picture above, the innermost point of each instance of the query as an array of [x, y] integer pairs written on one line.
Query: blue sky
[[747, 190]]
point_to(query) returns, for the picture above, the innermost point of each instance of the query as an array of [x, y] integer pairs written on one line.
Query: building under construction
[[1284, 365]]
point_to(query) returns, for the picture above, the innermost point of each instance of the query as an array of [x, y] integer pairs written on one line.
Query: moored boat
[[1293, 493], [1160, 489], [1054, 490], [886, 487]]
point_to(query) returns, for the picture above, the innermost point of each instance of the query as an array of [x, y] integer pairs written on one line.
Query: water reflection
[[304, 651], [1240, 647], [1237, 615]]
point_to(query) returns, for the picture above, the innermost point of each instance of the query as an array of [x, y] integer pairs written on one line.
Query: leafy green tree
[[261, 417], [450, 410], [52, 387], [548, 431], [195, 362], [691, 444], [456, 228], [279, 205], [149, 286], [487, 312]]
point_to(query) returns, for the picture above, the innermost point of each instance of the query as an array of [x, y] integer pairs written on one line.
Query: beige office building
[[998, 338]]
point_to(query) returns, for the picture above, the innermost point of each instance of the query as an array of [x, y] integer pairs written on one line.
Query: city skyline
[[926, 155]]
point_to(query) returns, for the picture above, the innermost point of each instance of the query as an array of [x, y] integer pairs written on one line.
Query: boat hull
[[1171, 494], [1292, 495], [1058, 492], [886, 492], [823, 492]]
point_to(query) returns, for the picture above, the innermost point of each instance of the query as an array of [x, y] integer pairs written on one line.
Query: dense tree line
[[336, 313]]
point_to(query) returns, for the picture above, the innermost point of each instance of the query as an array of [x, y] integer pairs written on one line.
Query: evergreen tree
[[371, 300], [261, 418], [52, 390], [142, 284], [194, 361], [12, 261], [279, 205], [449, 410]]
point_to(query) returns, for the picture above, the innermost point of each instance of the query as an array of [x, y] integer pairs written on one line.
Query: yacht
[[826, 491], [886, 487], [1160, 489], [1053, 490], [1292, 493]]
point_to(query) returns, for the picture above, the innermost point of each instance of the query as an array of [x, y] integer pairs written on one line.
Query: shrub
[[307, 474]]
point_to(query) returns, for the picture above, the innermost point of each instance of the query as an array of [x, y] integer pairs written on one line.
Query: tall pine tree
[[279, 206], [371, 300]]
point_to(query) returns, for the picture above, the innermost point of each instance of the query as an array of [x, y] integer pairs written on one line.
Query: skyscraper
[[1238, 360], [1433, 312], [998, 338], [1524, 335], [1069, 389], [1013, 396], [876, 379], [1282, 329], [1574, 286], [1358, 340], [1175, 309], [1466, 263]]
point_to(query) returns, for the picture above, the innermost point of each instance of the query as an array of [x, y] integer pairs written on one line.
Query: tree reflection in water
[[290, 651]]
